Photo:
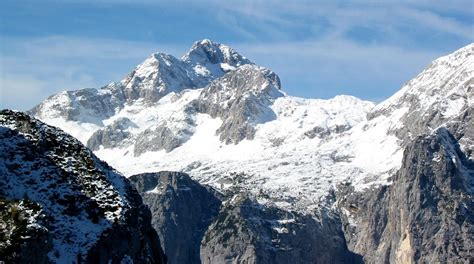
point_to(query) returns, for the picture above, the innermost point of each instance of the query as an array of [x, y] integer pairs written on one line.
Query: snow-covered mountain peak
[[444, 77], [218, 124], [207, 52], [439, 93], [458, 56], [345, 100], [158, 75], [152, 65], [161, 73]]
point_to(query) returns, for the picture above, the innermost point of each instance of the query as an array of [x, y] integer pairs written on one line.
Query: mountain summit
[[159, 75], [213, 112], [162, 73], [227, 123], [205, 53]]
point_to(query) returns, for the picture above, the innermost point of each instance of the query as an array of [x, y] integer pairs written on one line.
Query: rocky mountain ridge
[[61, 204], [201, 225], [427, 213], [157, 76]]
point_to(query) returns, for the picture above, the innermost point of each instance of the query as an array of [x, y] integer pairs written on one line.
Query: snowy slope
[[285, 163], [286, 150]]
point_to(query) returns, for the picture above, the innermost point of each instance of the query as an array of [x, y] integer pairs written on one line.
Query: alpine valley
[[231, 169]]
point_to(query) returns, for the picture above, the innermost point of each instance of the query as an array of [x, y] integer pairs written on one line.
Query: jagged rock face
[[427, 214], [112, 135], [70, 204], [187, 215], [212, 60], [158, 138], [248, 232], [241, 99], [182, 210], [155, 77], [462, 129], [167, 135], [161, 73]]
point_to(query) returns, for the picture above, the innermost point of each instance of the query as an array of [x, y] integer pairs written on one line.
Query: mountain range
[[234, 170]]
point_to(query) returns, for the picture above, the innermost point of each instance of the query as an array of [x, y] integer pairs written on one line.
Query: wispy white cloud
[[439, 23], [305, 42], [391, 17]]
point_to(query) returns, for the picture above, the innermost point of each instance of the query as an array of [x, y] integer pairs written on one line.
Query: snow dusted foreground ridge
[[226, 122], [60, 204]]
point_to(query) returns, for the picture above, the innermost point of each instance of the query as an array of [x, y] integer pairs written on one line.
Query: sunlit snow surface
[[281, 161]]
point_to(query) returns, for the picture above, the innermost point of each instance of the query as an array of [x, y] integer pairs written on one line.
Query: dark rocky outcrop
[[242, 99], [248, 232], [182, 210], [20, 241], [61, 204], [427, 214], [162, 136], [133, 238]]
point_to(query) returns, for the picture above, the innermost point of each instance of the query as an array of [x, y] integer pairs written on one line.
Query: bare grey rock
[[427, 214], [112, 135], [162, 137], [182, 210], [322, 132], [241, 99], [213, 60], [156, 77], [248, 232]]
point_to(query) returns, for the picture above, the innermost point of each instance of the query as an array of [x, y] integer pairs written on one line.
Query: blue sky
[[318, 48]]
